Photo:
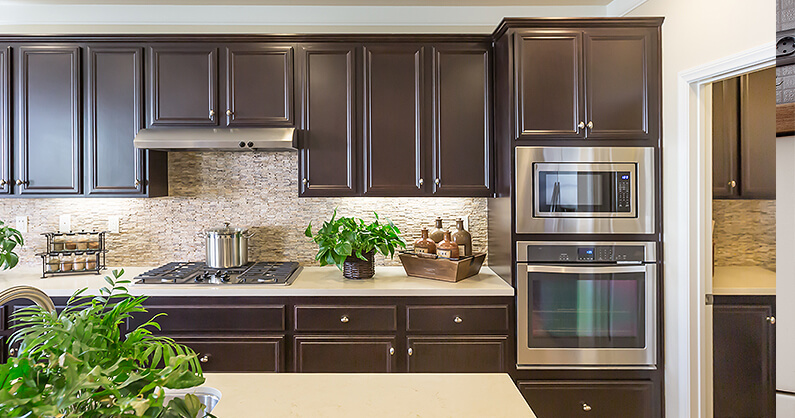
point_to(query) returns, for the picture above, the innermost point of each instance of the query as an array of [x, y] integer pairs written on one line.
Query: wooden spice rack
[[449, 270], [58, 249]]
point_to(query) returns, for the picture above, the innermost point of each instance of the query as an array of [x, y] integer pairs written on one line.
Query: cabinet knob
[[733, 184], [12, 351], [411, 351], [590, 124], [438, 182], [20, 182], [212, 113], [586, 407], [344, 319], [3, 182], [771, 319], [229, 112], [391, 351], [137, 182], [205, 358], [305, 181], [420, 181], [458, 320], [581, 125]]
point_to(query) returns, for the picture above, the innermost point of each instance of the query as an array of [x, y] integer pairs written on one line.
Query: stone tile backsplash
[[745, 232], [257, 190]]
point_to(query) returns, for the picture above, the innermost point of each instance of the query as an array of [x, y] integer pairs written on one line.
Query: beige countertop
[[353, 395], [312, 281], [743, 280]]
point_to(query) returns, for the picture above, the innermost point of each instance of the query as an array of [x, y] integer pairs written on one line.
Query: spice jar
[[93, 242], [79, 263], [53, 264], [67, 263], [91, 262], [82, 242], [58, 243], [71, 243]]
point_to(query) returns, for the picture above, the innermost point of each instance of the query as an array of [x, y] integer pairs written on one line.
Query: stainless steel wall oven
[[586, 304]]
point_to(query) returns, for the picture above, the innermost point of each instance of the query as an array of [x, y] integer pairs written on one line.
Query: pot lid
[[227, 230]]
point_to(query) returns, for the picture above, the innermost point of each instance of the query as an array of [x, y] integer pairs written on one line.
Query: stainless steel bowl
[[226, 247]]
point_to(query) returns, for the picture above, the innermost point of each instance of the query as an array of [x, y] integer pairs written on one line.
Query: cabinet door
[[622, 83], [725, 138], [365, 354], [461, 121], [743, 361], [589, 399], [238, 354], [758, 134], [394, 159], [115, 115], [183, 85], [5, 122], [48, 135], [482, 354], [548, 83], [328, 145], [259, 85]]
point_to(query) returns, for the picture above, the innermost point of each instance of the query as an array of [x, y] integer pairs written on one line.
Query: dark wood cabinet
[[195, 317], [259, 85], [744, 356], [336, 318], [464, 354], [348, 354], [328, 144], [48, 144], [183, 85], [743, 137], [589, 399], [451, 319], [238, 354], [6, 183], [394, 120]]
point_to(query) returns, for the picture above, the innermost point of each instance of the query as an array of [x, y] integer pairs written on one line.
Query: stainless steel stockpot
[[226, 247]]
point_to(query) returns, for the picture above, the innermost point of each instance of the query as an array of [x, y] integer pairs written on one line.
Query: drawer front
[[591, 399], [453, 319], [364, 354], [214, 319], [345, 318], [261, 354], [476, 354]]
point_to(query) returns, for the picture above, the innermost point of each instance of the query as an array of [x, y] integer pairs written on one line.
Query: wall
[[745, 232], [258, 190]]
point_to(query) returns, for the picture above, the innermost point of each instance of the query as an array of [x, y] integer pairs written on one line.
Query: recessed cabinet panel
[[184, 85], [725, 138], [48, 135], [462, 125], [617, 80], [328, 140], [549, 84], [393, 120], [599, 399], [246, 354], [482, 354], [115, 115], [364, 354], [6, 185], [758, 134], [259, 85]]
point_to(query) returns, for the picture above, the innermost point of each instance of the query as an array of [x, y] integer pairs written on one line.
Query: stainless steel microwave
[[585, 190]]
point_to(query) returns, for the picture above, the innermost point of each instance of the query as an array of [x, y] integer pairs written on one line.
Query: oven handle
[[635, 268]]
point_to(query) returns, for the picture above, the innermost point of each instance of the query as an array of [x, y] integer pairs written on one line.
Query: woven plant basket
[[356, 268]]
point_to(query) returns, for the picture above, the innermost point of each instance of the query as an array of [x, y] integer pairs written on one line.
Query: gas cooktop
[[261, 272]]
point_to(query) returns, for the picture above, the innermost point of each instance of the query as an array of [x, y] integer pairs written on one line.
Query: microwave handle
[[635, 268]]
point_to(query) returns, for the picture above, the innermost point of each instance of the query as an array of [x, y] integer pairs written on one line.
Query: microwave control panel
[[623, 194], [585, 253]]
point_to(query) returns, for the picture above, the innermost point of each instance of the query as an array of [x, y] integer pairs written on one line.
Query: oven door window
[[586, 310], [572, 192]]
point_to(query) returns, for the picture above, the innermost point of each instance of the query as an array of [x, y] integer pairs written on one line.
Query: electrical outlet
[[65, 223], [22, 224], [465, 218], [113, 224]]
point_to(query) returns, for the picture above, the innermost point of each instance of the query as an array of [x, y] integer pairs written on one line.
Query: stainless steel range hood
[[216, 139]]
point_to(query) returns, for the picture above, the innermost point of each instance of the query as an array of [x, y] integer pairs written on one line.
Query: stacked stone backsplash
[[745, 232], [257, 190]]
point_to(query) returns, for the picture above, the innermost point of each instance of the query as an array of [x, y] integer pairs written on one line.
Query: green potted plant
[[9, 239], [350, 244], [76, 363]]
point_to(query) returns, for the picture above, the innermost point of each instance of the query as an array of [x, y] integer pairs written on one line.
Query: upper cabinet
[[184, 87], [596, 83], [5, 122]]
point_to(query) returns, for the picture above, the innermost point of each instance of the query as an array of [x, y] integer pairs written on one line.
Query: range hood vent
[[216, 139]]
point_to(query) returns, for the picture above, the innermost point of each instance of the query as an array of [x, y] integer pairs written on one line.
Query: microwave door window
[[576, 192]]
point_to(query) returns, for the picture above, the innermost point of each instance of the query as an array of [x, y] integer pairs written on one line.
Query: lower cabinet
[[479, 354], [329, 354], [232, 354], [591, 399]]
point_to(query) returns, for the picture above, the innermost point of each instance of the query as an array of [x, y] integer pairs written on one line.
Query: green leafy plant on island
[[9, 239], [78, 364], [343, 237]]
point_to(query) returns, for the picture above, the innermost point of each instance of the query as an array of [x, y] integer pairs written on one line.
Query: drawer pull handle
[[581, 125], [205, 358], [344, 319], [12, 352], [586, 407], [391, 351], [411, 351], [771, 319], [458, 320]]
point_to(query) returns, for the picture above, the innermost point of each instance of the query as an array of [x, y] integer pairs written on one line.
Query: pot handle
[[251, 235], [201, 234]]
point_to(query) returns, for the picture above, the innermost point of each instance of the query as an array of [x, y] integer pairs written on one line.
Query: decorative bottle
[[447, 248], [437, 235], [462, 238], [425, 244]]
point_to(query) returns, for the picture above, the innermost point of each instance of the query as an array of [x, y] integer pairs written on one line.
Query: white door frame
[[688, 234]]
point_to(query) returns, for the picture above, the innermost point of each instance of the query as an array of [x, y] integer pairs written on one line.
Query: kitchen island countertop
[[743, 280], [312, 281], [352, 395]]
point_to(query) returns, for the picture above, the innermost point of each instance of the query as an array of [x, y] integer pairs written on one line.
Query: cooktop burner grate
[[261, 272]]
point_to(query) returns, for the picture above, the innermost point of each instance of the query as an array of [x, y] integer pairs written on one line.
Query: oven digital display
[[585, 253]]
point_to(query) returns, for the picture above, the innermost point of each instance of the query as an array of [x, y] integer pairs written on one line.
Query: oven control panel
[[585, 253]]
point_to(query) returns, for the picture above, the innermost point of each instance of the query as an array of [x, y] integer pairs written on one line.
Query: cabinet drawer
[[261, 354], [470, 319], [589, 399], [220, 319], [345, 318], [361, 354], [470, 354]]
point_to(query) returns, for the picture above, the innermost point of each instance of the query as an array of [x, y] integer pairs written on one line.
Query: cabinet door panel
[[725, 138], [758, 134], [549, 84], [5, 122], [184, 85], [115, 115], [393, 120], [345, 318], [344, 354], [249, 354], [195, 318], [462, 128], [48, 145], [259, 86], [457, 354], [589, 399], [327, 158], [620, 75]]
